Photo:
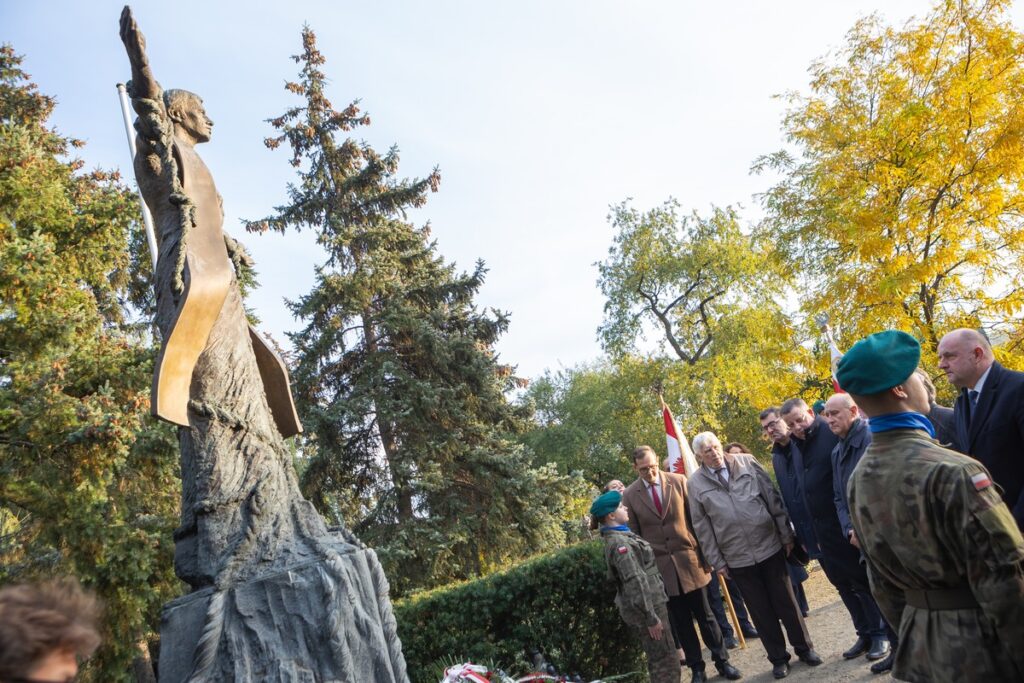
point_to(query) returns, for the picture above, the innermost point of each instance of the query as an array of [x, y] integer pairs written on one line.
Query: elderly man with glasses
[[745, 533]]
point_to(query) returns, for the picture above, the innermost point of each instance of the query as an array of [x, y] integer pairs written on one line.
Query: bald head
[[839, 401], [965, 355], [840, 413]]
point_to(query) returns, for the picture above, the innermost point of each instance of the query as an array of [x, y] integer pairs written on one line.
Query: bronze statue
[[277, 596], [180, 193]]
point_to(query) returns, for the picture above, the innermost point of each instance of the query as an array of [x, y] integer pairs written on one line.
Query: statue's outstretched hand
[[142, 82], [132, 37]]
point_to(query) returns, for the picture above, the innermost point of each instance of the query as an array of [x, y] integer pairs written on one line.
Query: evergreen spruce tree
[[88, 480], [399, 389]]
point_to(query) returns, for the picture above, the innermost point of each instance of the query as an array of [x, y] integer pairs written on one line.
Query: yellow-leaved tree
[[902, 203]]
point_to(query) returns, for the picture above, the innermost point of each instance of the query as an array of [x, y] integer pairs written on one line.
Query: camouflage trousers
[[662, 659]]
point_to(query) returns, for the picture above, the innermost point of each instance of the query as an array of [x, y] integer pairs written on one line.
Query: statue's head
[[186, 110]]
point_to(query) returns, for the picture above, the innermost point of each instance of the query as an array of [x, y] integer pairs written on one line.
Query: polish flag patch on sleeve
[[981, 481], [623, 550]]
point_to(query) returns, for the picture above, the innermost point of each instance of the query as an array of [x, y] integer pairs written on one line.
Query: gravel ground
[[831, 632]]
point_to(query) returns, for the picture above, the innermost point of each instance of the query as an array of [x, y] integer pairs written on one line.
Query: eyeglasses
[[768, 427]]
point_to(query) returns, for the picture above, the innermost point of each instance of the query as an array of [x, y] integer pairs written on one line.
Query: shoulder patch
[[623, 550], [981, 481]]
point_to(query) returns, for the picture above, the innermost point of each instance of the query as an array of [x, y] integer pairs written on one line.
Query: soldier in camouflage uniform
[[641, 596], [945, 557]]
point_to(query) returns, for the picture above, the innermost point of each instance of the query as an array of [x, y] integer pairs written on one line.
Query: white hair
[[698, 441]]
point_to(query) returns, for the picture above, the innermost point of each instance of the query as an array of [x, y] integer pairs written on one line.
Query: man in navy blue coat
[[989, 411], [789, 469], [839, 559]]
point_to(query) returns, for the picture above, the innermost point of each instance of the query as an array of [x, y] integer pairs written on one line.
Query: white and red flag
[[680, 457]]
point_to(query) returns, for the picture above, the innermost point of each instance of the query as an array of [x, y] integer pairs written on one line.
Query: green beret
[[605, 504], [818, 407], [878, 362]]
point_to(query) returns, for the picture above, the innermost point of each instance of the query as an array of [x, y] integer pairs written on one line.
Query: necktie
[[721, 476], [657, 500], [972, 397]]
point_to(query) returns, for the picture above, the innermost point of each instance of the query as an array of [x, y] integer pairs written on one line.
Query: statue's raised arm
[[143, 83]]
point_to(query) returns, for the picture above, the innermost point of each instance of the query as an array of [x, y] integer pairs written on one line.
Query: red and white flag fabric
[[836, 354], [680, 457]]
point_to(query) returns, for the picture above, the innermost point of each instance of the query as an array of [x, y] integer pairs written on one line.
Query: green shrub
[[560, 603]]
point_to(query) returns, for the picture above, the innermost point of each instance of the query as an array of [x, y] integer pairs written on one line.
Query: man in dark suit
[[840, 560], [658, 513], [989, 411]]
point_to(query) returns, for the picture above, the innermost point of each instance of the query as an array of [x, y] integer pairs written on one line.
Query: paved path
[[832, 633]]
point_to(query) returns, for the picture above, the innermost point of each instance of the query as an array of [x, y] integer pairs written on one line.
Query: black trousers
[[842, 565], [683, 609], [856, 595], [769, 595], [719, 610]]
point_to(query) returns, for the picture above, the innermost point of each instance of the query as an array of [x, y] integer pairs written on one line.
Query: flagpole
[[147, 219], [721, 581], [732, 610]]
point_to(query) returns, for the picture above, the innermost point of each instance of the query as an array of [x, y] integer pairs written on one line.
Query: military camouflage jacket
[[631, 566], [931, 519]]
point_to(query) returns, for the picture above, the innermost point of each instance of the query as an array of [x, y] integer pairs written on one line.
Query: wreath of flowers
[[474, 673]]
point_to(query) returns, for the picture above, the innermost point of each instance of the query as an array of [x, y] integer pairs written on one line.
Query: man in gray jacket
[[744, 532]]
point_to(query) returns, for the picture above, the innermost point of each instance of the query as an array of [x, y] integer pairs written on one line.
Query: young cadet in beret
[[640, 594], [944, 555]]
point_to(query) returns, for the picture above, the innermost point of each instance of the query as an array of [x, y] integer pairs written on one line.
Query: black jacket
[[816, 451], [944, 421], [995, 433], [841, 561], [789, 472]]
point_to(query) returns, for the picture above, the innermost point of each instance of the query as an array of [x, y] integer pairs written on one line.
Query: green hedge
[[560, 603]]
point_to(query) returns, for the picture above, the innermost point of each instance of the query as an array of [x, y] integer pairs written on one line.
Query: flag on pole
[[836, 354], [680, 457]]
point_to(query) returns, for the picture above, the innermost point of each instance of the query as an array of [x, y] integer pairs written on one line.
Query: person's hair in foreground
[[45, 627]]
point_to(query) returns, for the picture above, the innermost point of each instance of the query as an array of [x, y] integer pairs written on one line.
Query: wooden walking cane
[[732, 610]]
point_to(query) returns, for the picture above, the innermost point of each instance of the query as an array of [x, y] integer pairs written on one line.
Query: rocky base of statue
[[322, 620]]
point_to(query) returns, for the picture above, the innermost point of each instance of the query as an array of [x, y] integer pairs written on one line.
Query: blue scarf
[[883, 423], [619, 527]]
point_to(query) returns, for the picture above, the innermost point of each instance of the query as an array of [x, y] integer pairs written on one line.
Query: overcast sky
[[540, 114]]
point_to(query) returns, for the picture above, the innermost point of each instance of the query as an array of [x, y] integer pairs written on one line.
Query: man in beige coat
[[658, 513]]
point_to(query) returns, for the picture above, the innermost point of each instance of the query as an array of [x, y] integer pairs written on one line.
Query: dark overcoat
[[843, 560], [788, 464], [994, 435]]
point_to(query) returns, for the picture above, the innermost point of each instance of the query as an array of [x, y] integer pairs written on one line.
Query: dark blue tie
[[972, 396], [721, 476]]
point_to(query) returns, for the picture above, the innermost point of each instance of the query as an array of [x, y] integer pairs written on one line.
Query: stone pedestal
[[319, 621]]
